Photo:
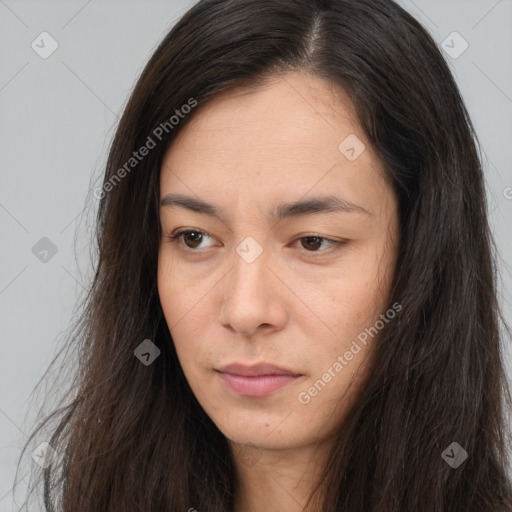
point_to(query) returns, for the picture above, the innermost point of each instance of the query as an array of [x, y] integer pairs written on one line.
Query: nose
[[254, 297]]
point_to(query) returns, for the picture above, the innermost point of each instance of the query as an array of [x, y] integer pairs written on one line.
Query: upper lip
[[257, 369]]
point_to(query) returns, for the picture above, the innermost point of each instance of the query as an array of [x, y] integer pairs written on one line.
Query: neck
[[277, 479]]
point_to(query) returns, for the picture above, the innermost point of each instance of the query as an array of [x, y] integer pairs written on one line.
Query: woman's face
[[288, 260]]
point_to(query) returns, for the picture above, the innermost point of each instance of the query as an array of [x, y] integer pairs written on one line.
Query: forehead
[[279, 140], [281, 112]]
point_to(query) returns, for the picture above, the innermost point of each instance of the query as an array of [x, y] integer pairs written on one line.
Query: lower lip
[[256, 386]]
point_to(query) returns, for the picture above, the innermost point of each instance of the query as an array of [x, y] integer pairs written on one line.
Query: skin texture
[[296, 305]]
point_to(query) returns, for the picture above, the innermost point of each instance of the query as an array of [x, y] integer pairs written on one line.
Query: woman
[[294, 306]]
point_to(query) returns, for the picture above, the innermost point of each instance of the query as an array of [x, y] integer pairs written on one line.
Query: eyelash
[[336, 244]]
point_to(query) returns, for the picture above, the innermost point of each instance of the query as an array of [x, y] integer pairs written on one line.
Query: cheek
[[176, 299], [350, 308], [168, 292], [188, 314], [179, 293], [353, 297]]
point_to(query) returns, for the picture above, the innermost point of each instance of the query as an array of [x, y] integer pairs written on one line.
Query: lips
[[256, 381], [256, 370]]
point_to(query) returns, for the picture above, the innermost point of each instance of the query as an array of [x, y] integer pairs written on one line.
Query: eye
[[311, 243], [192, 238]]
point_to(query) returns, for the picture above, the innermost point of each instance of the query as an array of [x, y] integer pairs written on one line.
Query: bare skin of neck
[[277, 480]]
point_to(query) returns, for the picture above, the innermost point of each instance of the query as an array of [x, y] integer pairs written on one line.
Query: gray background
[[57, 119]]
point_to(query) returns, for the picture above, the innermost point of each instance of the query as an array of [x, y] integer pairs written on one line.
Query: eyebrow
[[322, 204]]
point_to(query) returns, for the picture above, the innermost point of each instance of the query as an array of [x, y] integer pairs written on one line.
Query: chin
[[260, 432]]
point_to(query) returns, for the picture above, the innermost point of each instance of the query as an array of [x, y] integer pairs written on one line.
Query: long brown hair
[[133, 437]]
